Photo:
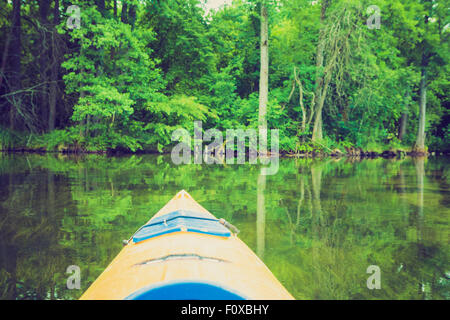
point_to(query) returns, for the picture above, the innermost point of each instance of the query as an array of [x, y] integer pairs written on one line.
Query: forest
[[111, 75]]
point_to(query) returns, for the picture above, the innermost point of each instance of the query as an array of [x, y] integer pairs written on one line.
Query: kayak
[[185, 252]]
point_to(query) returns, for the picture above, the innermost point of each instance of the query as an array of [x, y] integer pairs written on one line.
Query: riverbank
[[15, 142], [359, 153], [337, 153]]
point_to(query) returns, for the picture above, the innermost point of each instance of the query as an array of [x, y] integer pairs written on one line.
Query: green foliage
[[346, 144], [9, 139], [178, 111], [305, 147], [181, 46], [120, 87], [128, 81], [58, 140], [114, 77]]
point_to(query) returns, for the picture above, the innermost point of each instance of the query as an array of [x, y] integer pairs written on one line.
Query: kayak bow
[[184, 252]]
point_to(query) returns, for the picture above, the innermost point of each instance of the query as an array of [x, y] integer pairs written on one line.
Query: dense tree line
[[133, 71]]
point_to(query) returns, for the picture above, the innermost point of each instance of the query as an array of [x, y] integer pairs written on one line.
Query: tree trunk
[[403, 123], [54, 70], [132, 15], [318, 123], [317, 130], [419, 146], [300, 100], [263, 80], [404, 117], [44, 6], [15, 53], [101, 6], [4, 58], [83, 121], [124, 14]]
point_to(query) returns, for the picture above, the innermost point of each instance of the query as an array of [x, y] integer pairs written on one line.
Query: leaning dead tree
[[334, 51], [333, 55]]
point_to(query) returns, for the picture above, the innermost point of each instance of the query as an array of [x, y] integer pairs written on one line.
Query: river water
[[317, 224]]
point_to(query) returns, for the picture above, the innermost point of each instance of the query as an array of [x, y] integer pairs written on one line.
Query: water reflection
[[260, 216], [31, 218], [316, 224], [419, 163]]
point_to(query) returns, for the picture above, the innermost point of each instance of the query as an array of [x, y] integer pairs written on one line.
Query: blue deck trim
[[181, 220], [180, 213], [185, 290]]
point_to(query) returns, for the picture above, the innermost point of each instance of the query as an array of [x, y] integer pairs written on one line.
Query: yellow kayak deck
[[186, 257]]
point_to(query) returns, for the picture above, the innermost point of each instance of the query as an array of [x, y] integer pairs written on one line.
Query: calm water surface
[[319, 224]]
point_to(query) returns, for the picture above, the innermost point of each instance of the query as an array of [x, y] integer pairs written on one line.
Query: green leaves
[[128, 85], [102, 102], [180, 109], [114, 77], [119, 86]]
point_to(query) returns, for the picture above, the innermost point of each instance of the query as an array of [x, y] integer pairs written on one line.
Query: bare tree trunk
[[101, 6], [263, 80], [300, 99], [44, 6], [403, 123], [15, 62], [404, 117], [420, 141], [132, 15], [317, 130], [402, 128], [124, 13], [54, 70], [4, 58], [318, 123], [83, 121], [262, 127]]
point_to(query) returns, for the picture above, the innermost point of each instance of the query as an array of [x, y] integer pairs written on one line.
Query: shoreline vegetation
[[315, 150], [120, 76], [354, 153]]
